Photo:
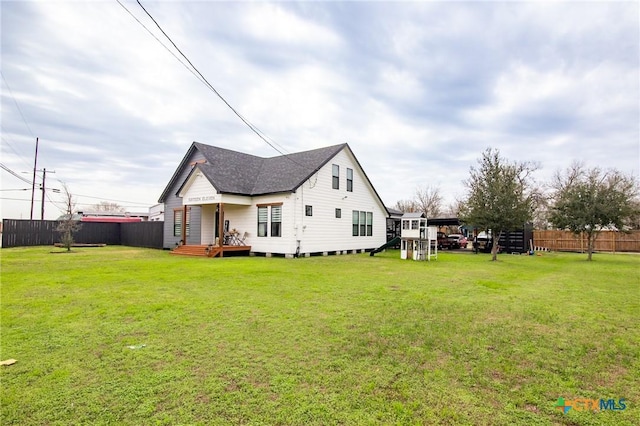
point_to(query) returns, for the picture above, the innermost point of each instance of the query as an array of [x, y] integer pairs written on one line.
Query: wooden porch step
[[205, 250], [191, 250]]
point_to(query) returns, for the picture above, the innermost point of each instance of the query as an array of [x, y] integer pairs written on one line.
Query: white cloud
[[418, 89], [269, 22]]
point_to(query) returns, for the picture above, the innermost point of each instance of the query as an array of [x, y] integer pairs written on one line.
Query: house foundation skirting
[[311, 254]]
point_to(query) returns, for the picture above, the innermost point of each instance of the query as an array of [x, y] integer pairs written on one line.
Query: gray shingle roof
[[233, 172]]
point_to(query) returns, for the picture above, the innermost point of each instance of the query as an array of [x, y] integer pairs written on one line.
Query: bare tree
[[406, 206], [454, 208], [67, 226], [429, 200], [541, 211], [105, 206]]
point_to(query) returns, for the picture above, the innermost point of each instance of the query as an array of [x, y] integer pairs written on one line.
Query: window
[[350, 180], [177, 222], [335, 184], [362, 224], [271, 227], [405, 224], [276, 221], [308, 210], [356, 216], [262, 221], [338, 213], [414, 224]]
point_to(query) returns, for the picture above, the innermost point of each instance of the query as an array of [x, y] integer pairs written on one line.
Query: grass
[[324, 340]]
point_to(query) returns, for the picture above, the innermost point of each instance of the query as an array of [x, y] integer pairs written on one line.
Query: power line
[[17, 105], [213, 89], [161, 43], [7, 169], [6, 142], [16, 199], [126, 202], [204, 79], [56, 203], [107, 199]]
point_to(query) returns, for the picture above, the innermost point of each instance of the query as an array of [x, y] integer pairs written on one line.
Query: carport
[[443, 221]]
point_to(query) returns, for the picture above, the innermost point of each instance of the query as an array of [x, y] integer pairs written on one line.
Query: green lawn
[[120, 335]]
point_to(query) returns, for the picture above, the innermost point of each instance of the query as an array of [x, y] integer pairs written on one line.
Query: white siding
[[198, 190], [246, 219], [207, 231], [323, 231], [240, 219]]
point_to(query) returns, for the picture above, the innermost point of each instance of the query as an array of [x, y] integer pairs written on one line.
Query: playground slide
[[391, 243]]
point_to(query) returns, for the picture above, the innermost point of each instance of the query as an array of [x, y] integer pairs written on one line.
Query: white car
[[457, 241]]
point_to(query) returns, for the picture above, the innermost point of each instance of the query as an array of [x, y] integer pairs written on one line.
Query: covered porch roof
[[197, 189]]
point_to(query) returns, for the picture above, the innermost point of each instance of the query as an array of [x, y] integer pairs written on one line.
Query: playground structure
[[395, 241], [417, 240]]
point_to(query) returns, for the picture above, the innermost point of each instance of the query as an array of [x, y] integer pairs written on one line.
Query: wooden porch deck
[[206, 250]]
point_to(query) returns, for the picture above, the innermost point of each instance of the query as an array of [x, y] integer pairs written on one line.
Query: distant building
[[156, 213], [113, 217]]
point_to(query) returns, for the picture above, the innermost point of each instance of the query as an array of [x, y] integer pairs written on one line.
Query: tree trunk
[[494, 247], [589, 245]]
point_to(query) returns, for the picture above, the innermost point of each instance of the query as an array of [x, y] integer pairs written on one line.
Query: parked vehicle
[[483, 242], [443, 241], [457, 241]]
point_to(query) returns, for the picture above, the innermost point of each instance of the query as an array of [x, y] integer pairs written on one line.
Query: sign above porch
[[198, 190]]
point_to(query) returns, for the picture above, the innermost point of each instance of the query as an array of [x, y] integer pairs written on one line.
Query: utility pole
[[33, 182], [44, 177]]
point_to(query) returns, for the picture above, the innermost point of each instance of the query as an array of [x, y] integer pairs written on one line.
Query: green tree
[[585, 201], [501, 195]]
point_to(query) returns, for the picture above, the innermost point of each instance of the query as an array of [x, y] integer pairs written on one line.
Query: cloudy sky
[[417, 89]]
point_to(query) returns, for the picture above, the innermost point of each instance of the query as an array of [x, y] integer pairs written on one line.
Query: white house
[[312, 202]]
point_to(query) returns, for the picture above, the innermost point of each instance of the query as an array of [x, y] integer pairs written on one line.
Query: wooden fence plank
[[607, 241]]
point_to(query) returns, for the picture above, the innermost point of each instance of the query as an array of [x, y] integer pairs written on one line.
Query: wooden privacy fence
[[23, 233], [607, 241]]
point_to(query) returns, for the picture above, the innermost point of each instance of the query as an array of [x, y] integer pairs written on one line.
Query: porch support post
[[221, 227], [184, 225]]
